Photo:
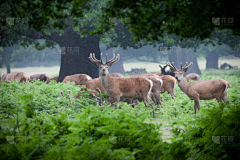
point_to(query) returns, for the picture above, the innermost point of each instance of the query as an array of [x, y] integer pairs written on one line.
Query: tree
[[59, 22], [151, 19]]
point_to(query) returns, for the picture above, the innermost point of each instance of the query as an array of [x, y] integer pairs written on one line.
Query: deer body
[[193, 76], [41, 77], [23, 77], [78, 79], [127, 87], [200, 90]]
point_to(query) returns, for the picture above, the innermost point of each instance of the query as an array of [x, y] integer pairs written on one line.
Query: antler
[[93, 59], [172, 67], [110, 62], [185, 68]]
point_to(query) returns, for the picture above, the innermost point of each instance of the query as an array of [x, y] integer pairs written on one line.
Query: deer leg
[[196, 105], [148, 100], [130, 101], [116, 99]]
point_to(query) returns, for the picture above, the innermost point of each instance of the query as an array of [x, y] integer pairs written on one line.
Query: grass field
[[150, 67]]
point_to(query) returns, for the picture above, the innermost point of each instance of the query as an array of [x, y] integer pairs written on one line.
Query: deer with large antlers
[[200, 90], [116, 87]]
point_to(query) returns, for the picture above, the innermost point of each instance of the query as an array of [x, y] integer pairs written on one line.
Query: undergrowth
[[37, 123]]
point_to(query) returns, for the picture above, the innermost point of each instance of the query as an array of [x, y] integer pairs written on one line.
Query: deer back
[[79, 79]]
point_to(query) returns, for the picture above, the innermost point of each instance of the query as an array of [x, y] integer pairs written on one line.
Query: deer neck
[[106, 79], [183, 85]]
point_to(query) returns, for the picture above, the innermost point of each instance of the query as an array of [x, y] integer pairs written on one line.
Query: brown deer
[[41, 77], [79, 79], [200, 90], [168, 84], [116, 87], [192, 76], [54, 79], [116, 75], [156, 89], [23, 77]]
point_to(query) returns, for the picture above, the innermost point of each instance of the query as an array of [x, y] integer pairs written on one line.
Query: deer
[[54, 79], [156, 89], [23, 77], [41, 77], [78, 79], [163, 72], [168, 83], [192, 76], [200, 90], [116, 87]]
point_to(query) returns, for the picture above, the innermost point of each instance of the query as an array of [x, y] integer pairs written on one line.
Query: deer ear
[[160, 66]]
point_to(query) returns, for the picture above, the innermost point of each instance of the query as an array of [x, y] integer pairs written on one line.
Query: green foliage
[[37, 124]]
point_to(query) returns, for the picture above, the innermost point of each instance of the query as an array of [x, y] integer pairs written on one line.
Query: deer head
[[179, 73], [163, 68], [103, 67]]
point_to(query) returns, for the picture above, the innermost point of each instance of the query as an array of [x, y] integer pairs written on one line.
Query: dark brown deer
[[23, 77], [200, 90], [132, 87], [41, 77], [163, 72]]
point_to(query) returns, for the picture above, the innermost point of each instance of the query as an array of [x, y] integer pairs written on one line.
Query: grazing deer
[[79, 79], [158, 73], [16, 75], [164, 72], [156, 89], [116, 75], [116, 87], [169, 84], [200, 90], [193, 76], [41, 77], [54, 79]]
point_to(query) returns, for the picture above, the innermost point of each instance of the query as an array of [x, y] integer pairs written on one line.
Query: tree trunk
[[74, 55], [212, 60], [8, 68], [188, 57]]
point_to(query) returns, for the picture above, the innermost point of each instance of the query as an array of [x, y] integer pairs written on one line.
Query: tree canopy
[[151, 19]]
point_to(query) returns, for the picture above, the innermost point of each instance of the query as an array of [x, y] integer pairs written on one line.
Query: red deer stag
[[116, 87], [41, 77], [200, 90], [79, 79], [192, 76], [23, 77]]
